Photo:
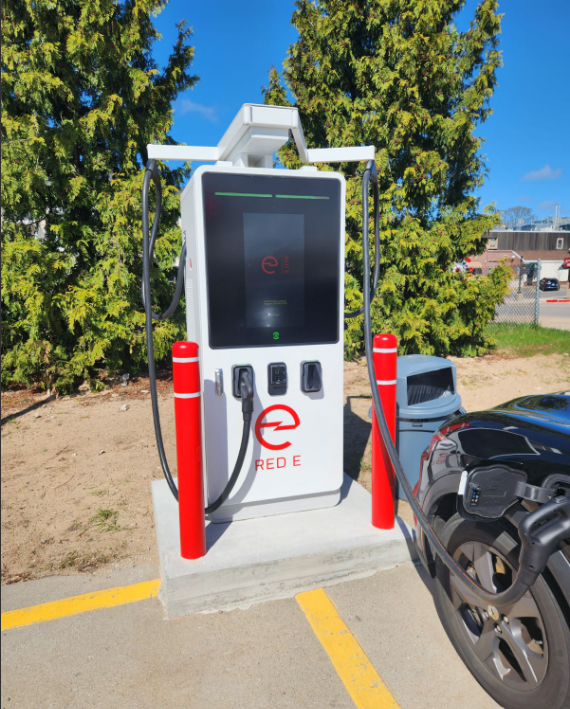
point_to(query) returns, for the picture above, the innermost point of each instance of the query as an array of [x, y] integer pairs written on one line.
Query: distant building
[[527, 247], [556, 241]]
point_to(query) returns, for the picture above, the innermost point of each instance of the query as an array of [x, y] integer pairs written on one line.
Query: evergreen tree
[[81, 98], [400, 75]]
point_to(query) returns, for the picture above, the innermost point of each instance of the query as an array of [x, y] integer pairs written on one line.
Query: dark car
[[549, 284], [520, 654]]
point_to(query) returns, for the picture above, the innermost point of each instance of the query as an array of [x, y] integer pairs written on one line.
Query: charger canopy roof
[[253, 137]]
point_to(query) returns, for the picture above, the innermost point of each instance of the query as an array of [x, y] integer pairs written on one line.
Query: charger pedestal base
[[275, 557]]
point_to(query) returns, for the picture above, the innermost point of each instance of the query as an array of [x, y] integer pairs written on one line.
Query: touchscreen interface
[[274, 247], [273, 261]]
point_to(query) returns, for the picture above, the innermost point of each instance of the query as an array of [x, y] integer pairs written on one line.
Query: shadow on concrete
[[411, 540], [410, 537], [356, 435], [426, 579], [345, 487], [31, 407], [214, 532]]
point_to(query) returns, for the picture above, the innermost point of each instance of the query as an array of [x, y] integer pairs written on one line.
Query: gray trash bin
[[426, 398]]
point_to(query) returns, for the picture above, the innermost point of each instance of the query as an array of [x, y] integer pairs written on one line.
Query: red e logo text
[[269, 264]]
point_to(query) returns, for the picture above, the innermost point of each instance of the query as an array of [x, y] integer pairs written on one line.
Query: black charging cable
[[531, 563], [369, 170], [245, 383], [246, 394], [151, 173]]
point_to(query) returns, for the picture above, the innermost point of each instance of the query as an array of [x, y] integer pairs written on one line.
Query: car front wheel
[[519, 653]]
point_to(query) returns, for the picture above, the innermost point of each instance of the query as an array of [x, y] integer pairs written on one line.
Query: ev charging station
[[264, 285], [263, 291], [262, 264], [263, 270]]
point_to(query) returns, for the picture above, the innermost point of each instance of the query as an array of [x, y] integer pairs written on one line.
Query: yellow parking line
[[361, 680], [80, 604]]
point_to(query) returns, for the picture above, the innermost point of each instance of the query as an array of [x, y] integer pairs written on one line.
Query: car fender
[[443, 487]]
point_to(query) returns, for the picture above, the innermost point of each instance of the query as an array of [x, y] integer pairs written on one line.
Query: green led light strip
[[298, 196], [241, 194]]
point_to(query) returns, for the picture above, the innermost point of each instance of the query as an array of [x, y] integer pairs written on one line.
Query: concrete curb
[[269, 558]]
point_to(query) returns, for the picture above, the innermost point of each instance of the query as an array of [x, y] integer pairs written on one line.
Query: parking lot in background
[[555, 315]]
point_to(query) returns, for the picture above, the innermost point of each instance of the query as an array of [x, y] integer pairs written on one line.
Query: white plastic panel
[[187, 153], [305, 474]]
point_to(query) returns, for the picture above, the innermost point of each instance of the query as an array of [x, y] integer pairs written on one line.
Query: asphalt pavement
[[267, 656], [556, 315], [520, 308]]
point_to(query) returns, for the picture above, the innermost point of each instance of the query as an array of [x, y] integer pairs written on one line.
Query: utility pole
[[537, 294]]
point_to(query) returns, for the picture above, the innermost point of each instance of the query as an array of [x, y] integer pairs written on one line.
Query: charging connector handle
[[540, 532], [525, 576]]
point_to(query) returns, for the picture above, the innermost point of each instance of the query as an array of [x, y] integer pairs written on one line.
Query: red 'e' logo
[[277, 425], [269, 264]]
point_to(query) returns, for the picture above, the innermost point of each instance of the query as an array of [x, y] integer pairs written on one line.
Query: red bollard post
[[385, 353], [188, 412]]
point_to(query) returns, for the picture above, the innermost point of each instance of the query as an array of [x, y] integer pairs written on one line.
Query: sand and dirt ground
[[76, 471]]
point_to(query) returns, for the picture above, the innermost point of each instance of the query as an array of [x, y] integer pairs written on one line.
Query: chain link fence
[[521, 304]]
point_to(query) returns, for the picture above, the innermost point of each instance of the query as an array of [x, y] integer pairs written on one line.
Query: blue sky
[[527, 138]]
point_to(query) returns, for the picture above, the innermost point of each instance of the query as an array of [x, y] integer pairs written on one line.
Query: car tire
[[542, 642]]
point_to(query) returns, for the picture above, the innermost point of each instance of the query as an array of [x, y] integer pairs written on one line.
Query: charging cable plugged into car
[[542, 530]]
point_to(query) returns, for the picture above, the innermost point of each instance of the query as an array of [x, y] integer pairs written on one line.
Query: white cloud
[[545, 173], [549, 206], [207, 112], [526, 198]]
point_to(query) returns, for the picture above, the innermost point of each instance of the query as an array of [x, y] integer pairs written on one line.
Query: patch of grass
[[84, 563], [99, 493], [106, 520], [527, 340], [69, 561]]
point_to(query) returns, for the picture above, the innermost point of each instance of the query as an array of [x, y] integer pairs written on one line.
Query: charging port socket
[[236, 374]]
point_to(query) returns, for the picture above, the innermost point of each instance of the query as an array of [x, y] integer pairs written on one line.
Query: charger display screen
[[274, 251], [273, 261]]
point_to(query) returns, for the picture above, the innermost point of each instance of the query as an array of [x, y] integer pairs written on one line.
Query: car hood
[[531, 433], [553, 409]]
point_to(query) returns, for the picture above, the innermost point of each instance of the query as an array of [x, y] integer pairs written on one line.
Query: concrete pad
[[270, 558]]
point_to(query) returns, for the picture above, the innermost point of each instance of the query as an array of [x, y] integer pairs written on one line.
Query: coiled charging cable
[[245, 383]]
